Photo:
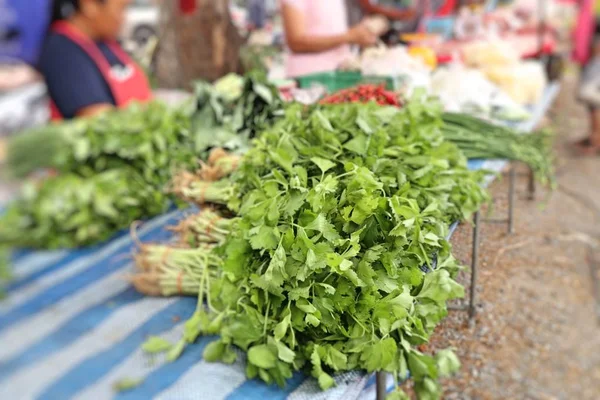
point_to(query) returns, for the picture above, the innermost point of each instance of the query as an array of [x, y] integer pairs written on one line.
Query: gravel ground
[[537, 330]]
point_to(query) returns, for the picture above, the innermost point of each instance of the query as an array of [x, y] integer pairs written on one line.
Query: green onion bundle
[[481, 139]]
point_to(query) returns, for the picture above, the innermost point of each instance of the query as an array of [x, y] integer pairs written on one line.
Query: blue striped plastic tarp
[[72, 327]]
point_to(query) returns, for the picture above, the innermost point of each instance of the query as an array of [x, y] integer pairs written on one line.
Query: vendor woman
[[86, 70], [318, 36]]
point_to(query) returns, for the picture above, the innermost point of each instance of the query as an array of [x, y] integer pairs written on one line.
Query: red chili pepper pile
[[364, 94]]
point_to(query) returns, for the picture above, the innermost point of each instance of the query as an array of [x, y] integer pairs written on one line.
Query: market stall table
[[72, 327]]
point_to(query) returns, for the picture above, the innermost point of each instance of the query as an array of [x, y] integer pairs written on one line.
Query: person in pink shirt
[[318, 37]]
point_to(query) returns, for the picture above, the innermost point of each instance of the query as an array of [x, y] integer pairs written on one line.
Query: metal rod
[[474, 266], [511, 199], [594, 270], [531, 185], [381, 385]]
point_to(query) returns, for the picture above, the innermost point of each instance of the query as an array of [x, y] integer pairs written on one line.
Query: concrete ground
[[537, 329]]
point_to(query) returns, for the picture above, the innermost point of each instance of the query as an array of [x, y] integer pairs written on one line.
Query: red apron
[[134, 88]]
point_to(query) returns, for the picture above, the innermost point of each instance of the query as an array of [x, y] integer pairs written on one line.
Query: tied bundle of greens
[[338, 211], [151, 138], [147, 143], [71, 210], [480, 139], [112, 170]]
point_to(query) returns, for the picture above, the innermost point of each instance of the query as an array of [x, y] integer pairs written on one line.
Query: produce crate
[[338, 80]]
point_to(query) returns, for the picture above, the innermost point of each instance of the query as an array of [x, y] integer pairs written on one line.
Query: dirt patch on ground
[[537, 334]]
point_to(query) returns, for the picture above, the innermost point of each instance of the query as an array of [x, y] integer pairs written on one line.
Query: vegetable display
[[338, 210], [480, 139], [364, 94], [111, 171], [114, 168]]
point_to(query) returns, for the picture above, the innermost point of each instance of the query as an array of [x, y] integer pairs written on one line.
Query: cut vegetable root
[[206, 227], [192, 188], [169, 271], [219, 169]]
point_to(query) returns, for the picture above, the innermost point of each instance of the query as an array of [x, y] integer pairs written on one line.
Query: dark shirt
[[73, 79]]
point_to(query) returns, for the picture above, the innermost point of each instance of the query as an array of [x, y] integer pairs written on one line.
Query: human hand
[[361, 35], [377, 24]]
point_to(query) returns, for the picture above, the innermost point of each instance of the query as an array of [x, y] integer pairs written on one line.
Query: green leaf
[[358, 144], [282, 327], [265, 238], [363, 125], [323, 164], [440, 287], [325, 381], [126, 384], [325, 123], [447, 362], [336, 359], [276, 270], [156, 344], [380, 356], [261, 356], [320, 224], [214, 351], [285, 353], [263, 92], [81, 149], [397, 394], [283, 158], [175, 351], [421, 366]]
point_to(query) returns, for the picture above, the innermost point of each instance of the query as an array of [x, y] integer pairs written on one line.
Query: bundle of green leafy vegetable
[[71, 210], [228, 116], [112, 170], [152, 139], [481, 139], [338, 210], [141, 147]]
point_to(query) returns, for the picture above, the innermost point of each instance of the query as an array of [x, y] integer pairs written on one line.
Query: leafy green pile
[[229, 121], [112, 171], [152, 139], [74, 210], [480, 139], [339, 210], [140, 148]]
